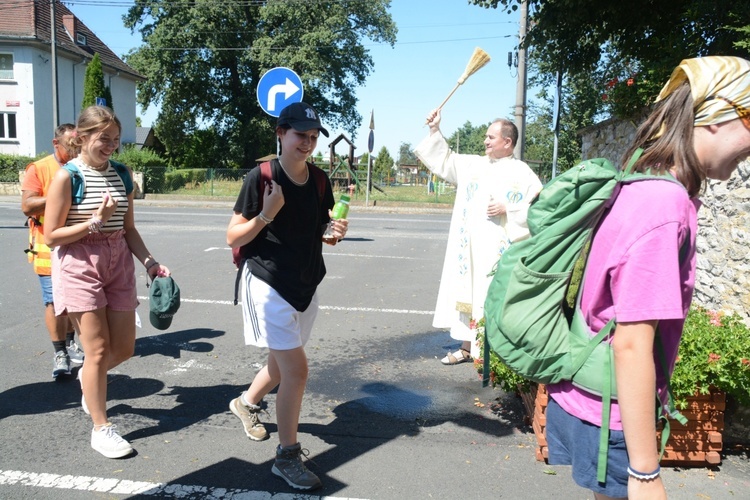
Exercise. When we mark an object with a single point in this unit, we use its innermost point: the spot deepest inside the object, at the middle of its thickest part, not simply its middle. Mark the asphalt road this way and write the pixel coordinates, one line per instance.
(382, 418)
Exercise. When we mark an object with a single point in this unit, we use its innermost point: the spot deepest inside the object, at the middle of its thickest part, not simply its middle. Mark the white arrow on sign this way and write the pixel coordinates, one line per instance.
(288, 88)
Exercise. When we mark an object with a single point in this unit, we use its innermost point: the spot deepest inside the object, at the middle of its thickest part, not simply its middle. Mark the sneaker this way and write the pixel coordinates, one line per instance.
(289, 467)
(75, 353)
(61, 363)
(250, 419)
(85, 407)
(109, 443)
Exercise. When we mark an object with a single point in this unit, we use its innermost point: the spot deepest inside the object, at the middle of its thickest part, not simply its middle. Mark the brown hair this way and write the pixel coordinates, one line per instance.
(94, 119)
(508, 129)
(62, 129)
(667, 141)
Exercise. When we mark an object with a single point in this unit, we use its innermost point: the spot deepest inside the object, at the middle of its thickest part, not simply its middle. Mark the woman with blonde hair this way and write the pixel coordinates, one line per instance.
(95, 238)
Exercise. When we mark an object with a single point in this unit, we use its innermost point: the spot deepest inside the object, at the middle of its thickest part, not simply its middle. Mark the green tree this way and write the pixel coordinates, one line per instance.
(203, 61)
(469, 139)
(382, 167)
(628, 48)
(406, 154)
(93, 83)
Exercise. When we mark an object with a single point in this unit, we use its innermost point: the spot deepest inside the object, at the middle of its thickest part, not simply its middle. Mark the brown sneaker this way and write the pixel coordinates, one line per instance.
(250, 419)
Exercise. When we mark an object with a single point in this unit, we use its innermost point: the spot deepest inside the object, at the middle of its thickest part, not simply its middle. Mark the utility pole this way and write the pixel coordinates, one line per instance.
(53, 56)
(520, 114)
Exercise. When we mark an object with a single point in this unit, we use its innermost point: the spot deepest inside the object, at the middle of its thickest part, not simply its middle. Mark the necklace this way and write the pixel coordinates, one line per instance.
(307, 175)
(100, 169)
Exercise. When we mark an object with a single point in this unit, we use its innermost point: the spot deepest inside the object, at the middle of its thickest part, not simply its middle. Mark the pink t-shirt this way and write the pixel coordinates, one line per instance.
(634, 273)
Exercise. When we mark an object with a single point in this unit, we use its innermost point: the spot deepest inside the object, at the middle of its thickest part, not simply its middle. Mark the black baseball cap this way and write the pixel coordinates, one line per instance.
(164, 301)
(301, 117)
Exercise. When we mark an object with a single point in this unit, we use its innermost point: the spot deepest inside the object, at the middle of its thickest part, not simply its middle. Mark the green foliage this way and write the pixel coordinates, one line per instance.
(469, 139)
(203, 61)
(604, 41)
(406, 155)
(383, 165)
(500, 375)
(93, 83)
(146, 161)
(184, 177)
(714, 351)
(10, 165)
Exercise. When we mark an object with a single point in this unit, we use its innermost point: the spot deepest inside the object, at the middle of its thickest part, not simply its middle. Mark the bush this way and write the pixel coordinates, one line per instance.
(184, 177)
(146, 161)
(714, 351)
(10, 165)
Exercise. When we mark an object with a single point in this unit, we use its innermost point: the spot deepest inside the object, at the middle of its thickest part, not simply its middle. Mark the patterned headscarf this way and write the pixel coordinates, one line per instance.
(713, 81)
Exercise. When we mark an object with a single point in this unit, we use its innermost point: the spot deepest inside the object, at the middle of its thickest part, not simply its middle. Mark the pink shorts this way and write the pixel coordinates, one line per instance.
(94, 272)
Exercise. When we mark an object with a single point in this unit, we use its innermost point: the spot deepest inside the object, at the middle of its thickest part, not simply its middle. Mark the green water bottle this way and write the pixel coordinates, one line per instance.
(341, 208)
(340, 211)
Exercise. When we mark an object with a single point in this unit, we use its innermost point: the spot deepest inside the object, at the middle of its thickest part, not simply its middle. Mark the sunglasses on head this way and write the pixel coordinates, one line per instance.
(742, 111)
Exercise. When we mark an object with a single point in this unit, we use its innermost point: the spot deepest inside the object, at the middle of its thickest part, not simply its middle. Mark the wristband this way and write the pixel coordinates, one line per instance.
(95, 224)
(265, 219)
(644, 476)
(153, 263)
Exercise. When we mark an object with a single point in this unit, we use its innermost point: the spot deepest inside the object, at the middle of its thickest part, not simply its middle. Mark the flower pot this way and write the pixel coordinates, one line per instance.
(696, 444)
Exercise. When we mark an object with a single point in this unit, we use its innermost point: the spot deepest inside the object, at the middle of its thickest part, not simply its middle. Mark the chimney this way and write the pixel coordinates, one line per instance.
(69, 22)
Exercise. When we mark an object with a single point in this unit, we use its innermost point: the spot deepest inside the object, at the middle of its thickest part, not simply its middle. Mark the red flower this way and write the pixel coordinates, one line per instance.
(712, 358)
(473, 324)
(745, 361)
(631, 81)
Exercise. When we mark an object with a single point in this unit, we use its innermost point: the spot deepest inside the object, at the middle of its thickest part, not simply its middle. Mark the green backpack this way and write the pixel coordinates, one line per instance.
(532, 312)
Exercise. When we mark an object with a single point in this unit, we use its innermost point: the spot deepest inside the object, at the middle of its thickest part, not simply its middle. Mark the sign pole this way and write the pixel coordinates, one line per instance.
(370, 144)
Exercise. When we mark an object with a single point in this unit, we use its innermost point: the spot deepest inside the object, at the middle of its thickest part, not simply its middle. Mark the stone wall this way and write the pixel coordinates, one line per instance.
(723, 275)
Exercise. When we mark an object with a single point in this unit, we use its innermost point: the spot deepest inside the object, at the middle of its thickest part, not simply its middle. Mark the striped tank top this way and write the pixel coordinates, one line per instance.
(97, 183)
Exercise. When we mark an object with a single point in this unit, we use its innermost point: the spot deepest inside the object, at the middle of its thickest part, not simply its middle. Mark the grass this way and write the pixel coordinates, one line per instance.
(402, 193)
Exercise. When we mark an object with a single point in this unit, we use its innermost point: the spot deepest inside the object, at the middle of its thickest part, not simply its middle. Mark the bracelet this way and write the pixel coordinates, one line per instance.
(153, 263)
(644, 476)
(95, 224)
(265, 219)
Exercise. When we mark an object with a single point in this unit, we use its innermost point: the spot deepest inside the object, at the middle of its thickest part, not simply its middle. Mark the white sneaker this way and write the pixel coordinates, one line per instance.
(109, 443)
(83, 399)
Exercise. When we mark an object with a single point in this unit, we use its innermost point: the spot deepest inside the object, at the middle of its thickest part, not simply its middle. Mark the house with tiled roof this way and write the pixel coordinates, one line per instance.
(26, 75)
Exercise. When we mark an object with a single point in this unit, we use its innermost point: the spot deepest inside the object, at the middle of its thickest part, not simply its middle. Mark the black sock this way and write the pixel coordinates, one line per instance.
(70, 337)
(59, 346)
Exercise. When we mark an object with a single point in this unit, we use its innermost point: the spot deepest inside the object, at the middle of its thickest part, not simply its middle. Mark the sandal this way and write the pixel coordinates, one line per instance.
(458, 357)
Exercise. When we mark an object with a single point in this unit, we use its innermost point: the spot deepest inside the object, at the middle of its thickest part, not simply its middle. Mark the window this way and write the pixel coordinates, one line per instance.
(6, 66)
(80, 39)
(8, 126)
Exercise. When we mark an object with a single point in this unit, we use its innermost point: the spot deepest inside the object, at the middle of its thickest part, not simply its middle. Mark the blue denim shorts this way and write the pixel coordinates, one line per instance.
(572, 441)
(46, 282)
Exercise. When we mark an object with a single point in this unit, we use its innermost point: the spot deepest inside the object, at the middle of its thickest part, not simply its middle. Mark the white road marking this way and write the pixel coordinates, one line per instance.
(125, 487)
(322, 308)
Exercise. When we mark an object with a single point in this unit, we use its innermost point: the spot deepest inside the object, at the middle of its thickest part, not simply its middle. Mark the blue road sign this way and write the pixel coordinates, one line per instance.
(277, 89)
(100, 101)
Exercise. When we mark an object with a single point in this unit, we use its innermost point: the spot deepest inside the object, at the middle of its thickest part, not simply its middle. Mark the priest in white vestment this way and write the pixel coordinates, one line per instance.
(493, 193)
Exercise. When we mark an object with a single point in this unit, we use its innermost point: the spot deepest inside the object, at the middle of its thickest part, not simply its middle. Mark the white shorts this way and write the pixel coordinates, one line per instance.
(269, 320)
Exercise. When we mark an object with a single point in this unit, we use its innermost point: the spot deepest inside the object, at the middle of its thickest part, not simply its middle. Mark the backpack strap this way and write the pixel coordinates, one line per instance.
(124, 174)
(238, 254)
(78, 181)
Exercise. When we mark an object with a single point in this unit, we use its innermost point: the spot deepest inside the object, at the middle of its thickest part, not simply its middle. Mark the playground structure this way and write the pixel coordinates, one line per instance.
(343, 172)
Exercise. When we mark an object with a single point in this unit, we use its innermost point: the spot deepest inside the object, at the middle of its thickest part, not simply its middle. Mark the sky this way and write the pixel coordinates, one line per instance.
(435, 41)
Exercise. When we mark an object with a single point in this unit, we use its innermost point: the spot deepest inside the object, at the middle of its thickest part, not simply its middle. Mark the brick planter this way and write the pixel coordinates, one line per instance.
(696, 444)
